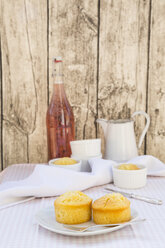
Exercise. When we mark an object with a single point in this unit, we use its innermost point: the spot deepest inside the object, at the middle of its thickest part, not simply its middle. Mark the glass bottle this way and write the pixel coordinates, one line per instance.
(59, 118)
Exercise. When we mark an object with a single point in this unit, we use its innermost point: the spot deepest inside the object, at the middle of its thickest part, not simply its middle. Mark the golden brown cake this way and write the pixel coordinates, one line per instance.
(111, 208)
(65, 161)
(73, 207)
(128, 167)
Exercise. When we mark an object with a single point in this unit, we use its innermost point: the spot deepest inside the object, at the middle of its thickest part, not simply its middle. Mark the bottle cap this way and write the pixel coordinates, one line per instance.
(57, 59)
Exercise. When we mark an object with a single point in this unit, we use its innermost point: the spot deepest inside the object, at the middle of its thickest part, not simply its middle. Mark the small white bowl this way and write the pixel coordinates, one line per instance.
(75, 167)
(130, 179)
(86, 148)
(85, 167)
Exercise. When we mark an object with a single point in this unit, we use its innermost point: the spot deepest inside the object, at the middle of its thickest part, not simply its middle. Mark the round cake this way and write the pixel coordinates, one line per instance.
(65, 161)
(111, 208)
(128, 167)
(73, 207)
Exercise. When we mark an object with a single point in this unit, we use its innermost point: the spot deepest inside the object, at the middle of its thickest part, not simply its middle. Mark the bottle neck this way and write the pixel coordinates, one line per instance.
(57, 72)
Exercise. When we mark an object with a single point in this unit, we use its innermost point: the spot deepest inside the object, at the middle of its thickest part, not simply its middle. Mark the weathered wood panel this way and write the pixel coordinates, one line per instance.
(156, 85)
(1, 165)
(37, 28)
(73, 35)
(123, 59)
(130, 59)
(24, 56)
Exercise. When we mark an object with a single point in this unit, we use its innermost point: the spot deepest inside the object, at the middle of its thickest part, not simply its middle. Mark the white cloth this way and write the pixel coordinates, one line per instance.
(154, 166)
(51, 181)
(18, 227)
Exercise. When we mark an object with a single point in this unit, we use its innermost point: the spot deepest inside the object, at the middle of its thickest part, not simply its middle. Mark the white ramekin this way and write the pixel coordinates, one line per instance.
(87, 148)
(130, 179)
(75, 167)
(85, 167)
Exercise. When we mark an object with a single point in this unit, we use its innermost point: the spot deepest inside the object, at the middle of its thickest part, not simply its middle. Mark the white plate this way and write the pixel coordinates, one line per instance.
(46, 218)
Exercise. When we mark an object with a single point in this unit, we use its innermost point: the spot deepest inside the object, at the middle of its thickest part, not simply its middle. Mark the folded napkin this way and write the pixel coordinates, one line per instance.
(154, 166)
(51, 181)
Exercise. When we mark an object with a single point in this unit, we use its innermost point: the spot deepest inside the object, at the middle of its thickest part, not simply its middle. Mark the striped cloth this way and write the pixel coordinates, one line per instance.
(18, 228)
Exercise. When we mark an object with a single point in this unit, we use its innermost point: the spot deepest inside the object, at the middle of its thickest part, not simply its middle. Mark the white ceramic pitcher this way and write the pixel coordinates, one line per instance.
(120, 137)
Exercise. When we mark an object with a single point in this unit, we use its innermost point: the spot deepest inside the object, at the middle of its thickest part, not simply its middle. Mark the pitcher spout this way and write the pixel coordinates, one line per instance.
(104, 124)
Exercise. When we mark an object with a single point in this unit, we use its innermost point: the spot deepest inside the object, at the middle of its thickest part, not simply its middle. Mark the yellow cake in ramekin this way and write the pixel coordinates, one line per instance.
(73, 207)
(111, 208)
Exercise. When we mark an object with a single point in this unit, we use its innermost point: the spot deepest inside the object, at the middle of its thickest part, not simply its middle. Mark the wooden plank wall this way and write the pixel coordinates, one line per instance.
(156, 81)
(75, 22)
(24, 81)
(123, 48)
(114, 64)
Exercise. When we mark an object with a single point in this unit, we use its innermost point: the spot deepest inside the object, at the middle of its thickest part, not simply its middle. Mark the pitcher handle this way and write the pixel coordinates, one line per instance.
(146, 126)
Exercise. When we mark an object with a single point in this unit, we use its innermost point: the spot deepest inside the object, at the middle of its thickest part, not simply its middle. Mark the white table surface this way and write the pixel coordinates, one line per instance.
(18, 228)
